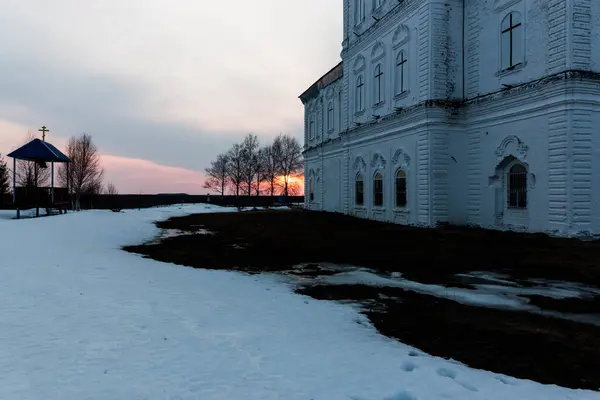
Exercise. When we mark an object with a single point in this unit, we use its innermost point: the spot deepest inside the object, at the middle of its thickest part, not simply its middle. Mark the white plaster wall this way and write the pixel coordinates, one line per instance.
(531, 130)
(365, 61)
(483, 43)
(458, 174)
(595, 35)
(595, 200)
(387, 147)
(332, 179)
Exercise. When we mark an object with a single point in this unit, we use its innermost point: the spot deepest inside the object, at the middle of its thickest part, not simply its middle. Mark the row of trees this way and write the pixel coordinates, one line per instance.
(84, 176)
(249, 169)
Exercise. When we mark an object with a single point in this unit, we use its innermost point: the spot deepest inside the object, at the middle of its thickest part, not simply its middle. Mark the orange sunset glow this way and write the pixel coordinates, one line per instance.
(295, 184)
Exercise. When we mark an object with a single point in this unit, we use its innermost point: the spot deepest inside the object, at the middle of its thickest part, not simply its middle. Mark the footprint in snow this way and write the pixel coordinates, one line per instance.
(413, 353)
(402, 396)
(448, 373)
(409, 366)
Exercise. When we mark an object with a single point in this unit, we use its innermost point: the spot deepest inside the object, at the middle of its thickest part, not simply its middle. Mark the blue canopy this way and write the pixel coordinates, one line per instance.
(39, 151)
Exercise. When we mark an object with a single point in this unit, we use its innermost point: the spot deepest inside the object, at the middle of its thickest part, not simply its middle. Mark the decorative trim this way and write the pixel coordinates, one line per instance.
(501, 5)
(502, 150)
(401, 96)
(511, 70)
(378, 162)
(378, 51)
(359, 64)
(401, 158)
(359, 164)
(330, 92)
(401, 36)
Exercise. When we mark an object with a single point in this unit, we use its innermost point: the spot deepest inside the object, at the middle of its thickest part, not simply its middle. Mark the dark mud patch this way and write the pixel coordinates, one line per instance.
(521, 344)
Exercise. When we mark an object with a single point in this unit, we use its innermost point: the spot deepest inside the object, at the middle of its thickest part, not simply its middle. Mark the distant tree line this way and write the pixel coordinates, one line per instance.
(84, 175)
(249, 169)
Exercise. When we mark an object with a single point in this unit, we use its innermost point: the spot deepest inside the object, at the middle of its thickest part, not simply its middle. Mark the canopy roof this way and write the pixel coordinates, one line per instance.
(39, 151)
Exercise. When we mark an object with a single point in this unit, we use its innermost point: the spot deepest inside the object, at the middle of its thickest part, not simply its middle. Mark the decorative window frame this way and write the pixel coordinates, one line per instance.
(358, 111)
(375, 95)
(378, 9)
(401, 161)
(330, 122)
(358, 23)
(359, 167)
(401, 36)
(378, 171)
(312, 126)
(407, 71)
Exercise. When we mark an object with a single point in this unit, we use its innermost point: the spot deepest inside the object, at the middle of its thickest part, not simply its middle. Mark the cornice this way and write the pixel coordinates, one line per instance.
(393, 16)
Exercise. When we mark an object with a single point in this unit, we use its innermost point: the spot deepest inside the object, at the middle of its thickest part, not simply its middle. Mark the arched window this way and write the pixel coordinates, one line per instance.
(401, 73)
(361, 11)
(311, 127)
(359, 191)
(360, 92)
(311, 189)
(378, 190)
(378, 84)
(400, 188)
(512, 41)
(517, 186)
(330, 116)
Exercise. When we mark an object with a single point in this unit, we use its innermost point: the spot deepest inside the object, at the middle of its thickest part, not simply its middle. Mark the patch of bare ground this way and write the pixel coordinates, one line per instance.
(521, 344)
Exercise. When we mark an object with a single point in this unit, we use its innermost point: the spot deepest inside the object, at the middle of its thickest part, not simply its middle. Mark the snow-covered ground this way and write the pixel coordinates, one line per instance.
(82, 319)
(498, 292)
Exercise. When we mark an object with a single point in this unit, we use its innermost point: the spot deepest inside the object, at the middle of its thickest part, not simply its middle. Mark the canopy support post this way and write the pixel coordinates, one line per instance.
(37, 191)
(52, 187)
(14, 194)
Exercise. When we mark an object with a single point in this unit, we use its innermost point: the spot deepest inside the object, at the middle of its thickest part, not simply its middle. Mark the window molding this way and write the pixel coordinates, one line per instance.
(330, 116)
(360, 12)
(516, 59)
(359, 94)
(378, 198)
(378, 85)
(311, 127)
(401, 80)
(359, 196)
(404, 204)
(401, 36)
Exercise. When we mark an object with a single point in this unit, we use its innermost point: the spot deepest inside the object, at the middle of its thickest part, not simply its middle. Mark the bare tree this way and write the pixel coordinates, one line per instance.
(261, 170)
(85, 173)
(235, 170)
(289, 161)
(4, 180)
(250, 161)
(270, 162)
(31, 173)
(111, 189)
(217, 175)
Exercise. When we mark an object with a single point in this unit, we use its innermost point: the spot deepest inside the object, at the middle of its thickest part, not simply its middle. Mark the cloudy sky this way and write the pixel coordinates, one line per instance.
(162, 85)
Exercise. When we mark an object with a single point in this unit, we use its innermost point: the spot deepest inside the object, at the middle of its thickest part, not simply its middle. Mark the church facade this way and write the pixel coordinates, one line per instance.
(479, 112)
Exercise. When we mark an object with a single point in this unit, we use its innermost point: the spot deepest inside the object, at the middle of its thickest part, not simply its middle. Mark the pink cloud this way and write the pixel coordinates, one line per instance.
(131, 175)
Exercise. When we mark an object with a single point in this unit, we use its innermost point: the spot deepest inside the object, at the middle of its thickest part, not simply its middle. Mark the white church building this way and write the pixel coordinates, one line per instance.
(479, 112)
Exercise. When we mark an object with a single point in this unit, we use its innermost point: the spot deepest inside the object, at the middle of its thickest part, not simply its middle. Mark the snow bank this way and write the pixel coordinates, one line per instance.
(82, 319)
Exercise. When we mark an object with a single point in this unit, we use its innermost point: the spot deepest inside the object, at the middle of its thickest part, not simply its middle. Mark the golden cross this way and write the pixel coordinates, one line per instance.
(44, 130)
